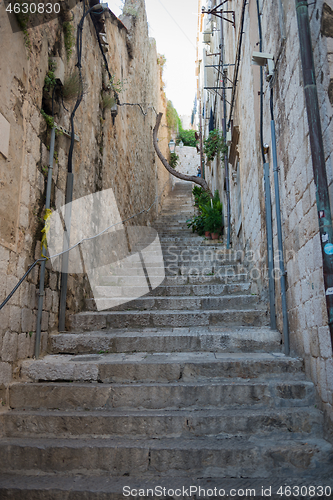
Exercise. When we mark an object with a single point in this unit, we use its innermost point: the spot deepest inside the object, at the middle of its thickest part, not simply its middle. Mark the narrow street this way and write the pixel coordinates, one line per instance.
(183, 387)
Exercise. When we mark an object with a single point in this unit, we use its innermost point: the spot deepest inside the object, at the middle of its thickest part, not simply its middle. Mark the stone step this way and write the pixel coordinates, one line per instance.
(170, 303)
(211, 339)
(285, 423)
(175, 280)
(222, 275)
(103, 487)
(245, 394)
(188, 241)
(176, 290)
(183, 259)
(202, 290)
(210, 457)
(88, 321)
(174, 269)
(163, 367)
(201, 249)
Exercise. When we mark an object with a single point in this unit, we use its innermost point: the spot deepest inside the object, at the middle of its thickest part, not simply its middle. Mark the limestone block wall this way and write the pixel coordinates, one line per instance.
(189, 160)
(117, 155)
(309, 332)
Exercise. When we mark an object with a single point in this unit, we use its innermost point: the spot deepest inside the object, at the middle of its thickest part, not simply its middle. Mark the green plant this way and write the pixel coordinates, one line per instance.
(108, 101)
(117, 85)
(200, 196)
(187, 136)
(161, 60)
(45, 170)
(212, 214)
(69, 38)
(214, 145)
(197, 223)
(172, 117)
(173, 160)
(130, 11)
(212, 219)
(209, 216)
(31, 334)
(71, 87)
(49, 81)
(49, 119)
(23, 21)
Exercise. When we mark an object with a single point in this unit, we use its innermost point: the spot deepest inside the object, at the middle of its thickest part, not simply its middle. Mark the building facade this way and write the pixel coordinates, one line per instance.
(266, 32)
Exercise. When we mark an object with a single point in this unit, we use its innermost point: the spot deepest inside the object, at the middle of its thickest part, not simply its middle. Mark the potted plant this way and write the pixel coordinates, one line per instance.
(214, 145)
(212, 213)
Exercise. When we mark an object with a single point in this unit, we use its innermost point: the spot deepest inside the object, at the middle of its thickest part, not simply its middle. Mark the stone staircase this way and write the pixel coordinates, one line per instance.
(183, 387)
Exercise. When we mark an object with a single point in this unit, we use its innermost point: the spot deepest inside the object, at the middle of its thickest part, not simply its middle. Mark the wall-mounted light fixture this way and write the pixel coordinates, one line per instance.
(172, 146)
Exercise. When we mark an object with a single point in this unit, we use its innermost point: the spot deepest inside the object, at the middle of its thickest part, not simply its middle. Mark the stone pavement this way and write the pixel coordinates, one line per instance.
(183, 388)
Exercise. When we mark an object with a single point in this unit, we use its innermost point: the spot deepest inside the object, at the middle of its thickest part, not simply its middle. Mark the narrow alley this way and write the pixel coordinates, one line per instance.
(183, 387)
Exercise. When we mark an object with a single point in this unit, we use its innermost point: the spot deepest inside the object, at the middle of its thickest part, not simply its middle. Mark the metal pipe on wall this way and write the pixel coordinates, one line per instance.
(279, 235)
(226, 161)
(268, 205)
(65, 257)
(202, 161)
(317, 153)
(269, 230)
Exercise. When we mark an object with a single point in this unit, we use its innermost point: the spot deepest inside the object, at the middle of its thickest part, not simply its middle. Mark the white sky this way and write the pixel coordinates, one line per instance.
(177, 43)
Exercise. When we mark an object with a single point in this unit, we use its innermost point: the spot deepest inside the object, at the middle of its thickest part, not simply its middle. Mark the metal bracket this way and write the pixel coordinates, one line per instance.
(221, 13)
(66, 132)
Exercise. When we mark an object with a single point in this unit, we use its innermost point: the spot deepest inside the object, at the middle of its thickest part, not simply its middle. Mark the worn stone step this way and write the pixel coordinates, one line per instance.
(247, 394)
(286, 423)
(174, 269)
(209, 457)
(204, 249)
(202, 290)
(176, 290)
(133, 319)
(104, 487)
(164, 367)
(176, 279)
(172, 303)
(216, 339)
(186, 240)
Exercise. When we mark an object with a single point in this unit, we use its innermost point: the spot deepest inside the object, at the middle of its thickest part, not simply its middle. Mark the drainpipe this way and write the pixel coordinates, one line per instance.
(202, 161)
(66, 245)
(43, 264)
(268, 204)
(279, 233)
(317, 153)
(226, 161)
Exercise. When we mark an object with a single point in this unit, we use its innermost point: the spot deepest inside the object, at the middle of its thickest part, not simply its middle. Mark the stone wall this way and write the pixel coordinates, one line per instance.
(117, 155)
(309, 333)
(189, 160)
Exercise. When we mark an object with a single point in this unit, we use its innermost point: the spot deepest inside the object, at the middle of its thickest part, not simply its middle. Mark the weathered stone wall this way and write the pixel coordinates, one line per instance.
(309, 332)
(189, 160)
(117, 155)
